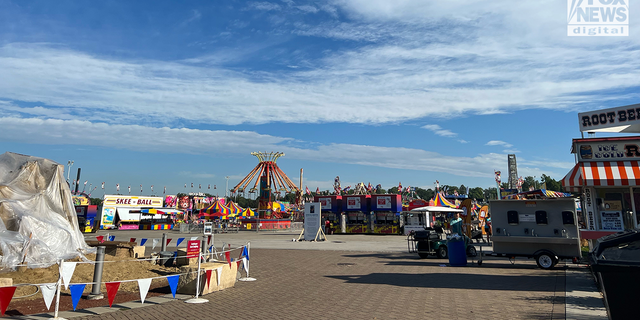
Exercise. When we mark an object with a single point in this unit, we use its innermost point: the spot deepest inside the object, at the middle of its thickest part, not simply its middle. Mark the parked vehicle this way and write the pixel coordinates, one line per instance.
(429, 242)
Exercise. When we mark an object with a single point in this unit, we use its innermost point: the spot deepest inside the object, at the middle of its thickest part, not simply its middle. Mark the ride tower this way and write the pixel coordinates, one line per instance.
(269, 180)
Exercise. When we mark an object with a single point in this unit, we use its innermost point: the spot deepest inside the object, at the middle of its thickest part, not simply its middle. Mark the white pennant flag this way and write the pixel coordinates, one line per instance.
(144, 284)
(66, 271)
(245, 262)
(155, 243)
(194, 238)
(218, 274)
(48, 291)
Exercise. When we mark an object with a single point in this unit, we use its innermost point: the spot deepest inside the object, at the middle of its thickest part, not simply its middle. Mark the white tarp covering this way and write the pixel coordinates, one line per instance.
(38, 223)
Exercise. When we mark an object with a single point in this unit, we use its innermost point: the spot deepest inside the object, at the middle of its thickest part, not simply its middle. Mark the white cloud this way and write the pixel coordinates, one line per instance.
(264, 6)
(499, 143)
(511, 151)
(463, 141)
(439, 131)
(202, 175)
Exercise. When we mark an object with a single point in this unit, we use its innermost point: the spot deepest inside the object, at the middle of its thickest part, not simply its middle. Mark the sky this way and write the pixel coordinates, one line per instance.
(168, 93)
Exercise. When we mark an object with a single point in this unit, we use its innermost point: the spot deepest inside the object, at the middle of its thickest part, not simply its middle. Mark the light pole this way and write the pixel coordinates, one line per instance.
(69, 164)
(227, 188)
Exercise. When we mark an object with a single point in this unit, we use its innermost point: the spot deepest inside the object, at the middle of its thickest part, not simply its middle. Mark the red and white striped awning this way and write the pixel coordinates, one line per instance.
(611, 174)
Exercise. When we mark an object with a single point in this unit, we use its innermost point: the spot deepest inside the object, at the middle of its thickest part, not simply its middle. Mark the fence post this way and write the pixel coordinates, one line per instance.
(164, 242)
(97, 275)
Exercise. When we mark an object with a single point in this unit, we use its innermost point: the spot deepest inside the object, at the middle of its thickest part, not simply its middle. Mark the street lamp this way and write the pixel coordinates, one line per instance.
(69, 164)
(225, 190)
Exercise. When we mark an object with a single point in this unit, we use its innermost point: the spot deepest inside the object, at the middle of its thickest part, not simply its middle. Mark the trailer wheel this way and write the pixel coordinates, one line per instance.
(471, 251)
(442, 252)
(546, 260)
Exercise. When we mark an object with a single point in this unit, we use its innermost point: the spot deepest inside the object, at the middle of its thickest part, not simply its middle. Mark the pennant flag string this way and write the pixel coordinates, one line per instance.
(112, 289)
(144, 285)
(173, 284)
(48, 292)
(208, 272)
(6, 293)
(76, 293)
(112, 238)
(66, 271)
(155, 243)
(143, 241)
(168, 240)
(132, 240)
(179, 241)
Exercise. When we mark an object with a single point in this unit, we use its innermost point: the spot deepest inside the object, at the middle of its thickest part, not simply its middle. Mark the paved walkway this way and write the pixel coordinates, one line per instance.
(376, 284)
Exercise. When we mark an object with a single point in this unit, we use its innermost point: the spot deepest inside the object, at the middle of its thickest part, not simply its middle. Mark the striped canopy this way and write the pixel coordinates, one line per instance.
(246, 213)
(218, 209)
(440, 201)
(234, 209)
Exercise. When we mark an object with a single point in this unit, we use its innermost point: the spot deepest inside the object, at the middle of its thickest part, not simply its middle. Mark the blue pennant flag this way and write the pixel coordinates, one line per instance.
(173, 284)
(211, 249)
(175, 254)
(76, 293)
(112, 238)
(245, 252)
(142, 242)
(179, 241)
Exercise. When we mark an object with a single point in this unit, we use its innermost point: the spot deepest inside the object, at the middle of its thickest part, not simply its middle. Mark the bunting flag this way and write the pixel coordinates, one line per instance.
(151, 188)
(103, 185)
(168, 240)
(132, 240)
(209, 240)
(209, 187)
(238, 264)
(245, 252)
(100, 239)
(208, 272)
(117, 187)
(155, 243)
(165, 190)
(199, 186)
(76, 293)
(143, 285)
(129, 189)
(245, 262)
(143, 241)
(48, 291)
(218, 274)
(112, 238)
(191, 184)
(194, 238)
(227, 255)
(173, 283)
(6, 293)
(179, 241)
(66, 271)
(317, 190)
(112, 289)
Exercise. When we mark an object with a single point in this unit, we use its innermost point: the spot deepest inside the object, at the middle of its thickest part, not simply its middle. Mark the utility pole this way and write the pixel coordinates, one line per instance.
(227, 188)
(69, 164)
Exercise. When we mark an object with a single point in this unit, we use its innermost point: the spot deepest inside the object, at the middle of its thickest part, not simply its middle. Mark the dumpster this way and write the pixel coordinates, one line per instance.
(457, 252)
(615, 263)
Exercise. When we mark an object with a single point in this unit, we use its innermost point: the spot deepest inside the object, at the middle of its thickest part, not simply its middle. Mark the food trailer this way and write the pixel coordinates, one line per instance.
(544, 229)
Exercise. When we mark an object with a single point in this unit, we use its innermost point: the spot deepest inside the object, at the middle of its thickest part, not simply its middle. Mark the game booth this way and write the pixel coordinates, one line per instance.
(331, 208)
(88, 220)
(136, 213)
(357, 214)
(387, 209)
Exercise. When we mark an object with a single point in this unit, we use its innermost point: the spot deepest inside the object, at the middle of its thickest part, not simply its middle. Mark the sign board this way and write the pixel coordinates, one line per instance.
(611, 220)
(311, 220)
(193, 248)
(612, 205)
(623, 150)
(208, 228)
(132, 201)
(526, 217)
(354, 203)
(619, 119)
(384, 202)
(325, 203)
(108, 213)
(589, 208)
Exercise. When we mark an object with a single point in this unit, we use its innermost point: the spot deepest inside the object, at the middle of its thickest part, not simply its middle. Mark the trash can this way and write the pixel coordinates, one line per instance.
(615, 263)
(456, 251)
(166, 258)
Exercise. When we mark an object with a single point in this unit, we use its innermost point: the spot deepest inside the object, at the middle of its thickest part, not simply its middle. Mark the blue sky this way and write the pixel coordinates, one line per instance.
(165, 93)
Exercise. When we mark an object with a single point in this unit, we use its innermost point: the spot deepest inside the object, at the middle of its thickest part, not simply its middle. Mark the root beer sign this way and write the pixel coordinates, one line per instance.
(620, 119)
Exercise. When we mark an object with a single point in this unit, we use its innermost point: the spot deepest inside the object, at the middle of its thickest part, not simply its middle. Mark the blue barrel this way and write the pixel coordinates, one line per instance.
(457, 253)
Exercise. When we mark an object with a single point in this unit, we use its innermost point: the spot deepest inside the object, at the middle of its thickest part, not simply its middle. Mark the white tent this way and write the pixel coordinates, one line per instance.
(38, 222)
(436, 209)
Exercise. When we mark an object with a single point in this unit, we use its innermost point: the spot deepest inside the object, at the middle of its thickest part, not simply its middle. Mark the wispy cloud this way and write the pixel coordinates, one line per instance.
(498, 143)
(200, 175)
(264, 6)
(439, 131)
(463, 141)
(195, 16)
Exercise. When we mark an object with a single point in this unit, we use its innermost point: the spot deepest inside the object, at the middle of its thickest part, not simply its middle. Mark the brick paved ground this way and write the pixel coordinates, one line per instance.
(307, 284)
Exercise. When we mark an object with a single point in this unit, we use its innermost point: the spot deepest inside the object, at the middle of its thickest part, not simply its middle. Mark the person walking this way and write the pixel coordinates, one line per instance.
(456, 225)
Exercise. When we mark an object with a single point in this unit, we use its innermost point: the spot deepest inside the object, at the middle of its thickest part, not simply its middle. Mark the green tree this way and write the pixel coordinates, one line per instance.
(392, 190)
(425, 194)
(551, 183)
(490, 193)
(476, 193)
(96, 201)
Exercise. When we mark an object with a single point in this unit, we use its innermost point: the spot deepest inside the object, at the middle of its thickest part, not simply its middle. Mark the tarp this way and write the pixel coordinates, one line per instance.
(38, 222)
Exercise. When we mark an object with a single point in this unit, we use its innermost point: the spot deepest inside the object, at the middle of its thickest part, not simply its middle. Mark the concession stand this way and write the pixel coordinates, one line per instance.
(136, 212)
(331, 209)
(607, 172)
(358, 215)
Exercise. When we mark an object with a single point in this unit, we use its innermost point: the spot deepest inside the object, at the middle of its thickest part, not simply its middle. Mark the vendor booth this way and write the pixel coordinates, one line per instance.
(607, 172)
(331, 209)
(358, 216)
(125, 212)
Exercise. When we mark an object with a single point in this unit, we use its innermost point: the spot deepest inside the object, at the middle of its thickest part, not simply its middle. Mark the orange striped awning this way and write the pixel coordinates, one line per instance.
(610, 173)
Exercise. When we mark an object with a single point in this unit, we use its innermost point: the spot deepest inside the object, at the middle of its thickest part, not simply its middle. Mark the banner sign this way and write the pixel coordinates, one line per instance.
(589, 208)
(354, 203)
(384, 202)
(133, 201)
(193, 248)
(620, 117)
(611, 220)
(325, 203)
(108, 213)
(311, 220)
(622, 150)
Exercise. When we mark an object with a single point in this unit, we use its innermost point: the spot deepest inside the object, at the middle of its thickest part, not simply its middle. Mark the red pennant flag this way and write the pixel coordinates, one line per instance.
(6, 293)
(238, 264)
(100, 239)
(132, 240)
(241, 252)
(112, 289)
(168, 240)
(209, 240)
(208, 272)
(228, 256)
